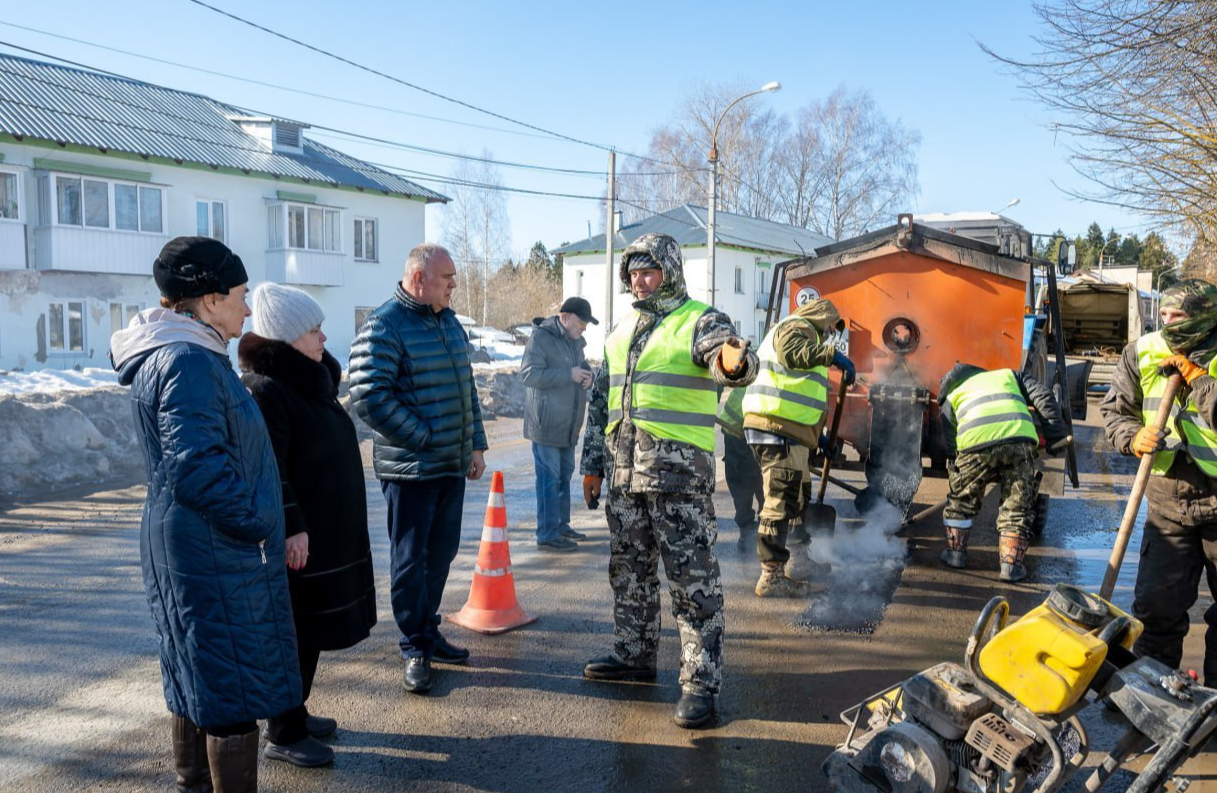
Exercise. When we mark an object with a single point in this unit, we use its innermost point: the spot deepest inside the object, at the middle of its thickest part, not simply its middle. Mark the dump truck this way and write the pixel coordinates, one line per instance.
(1098, 318)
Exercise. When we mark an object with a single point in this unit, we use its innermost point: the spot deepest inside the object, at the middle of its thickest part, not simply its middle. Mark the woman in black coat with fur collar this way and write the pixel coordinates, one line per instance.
(295, 382)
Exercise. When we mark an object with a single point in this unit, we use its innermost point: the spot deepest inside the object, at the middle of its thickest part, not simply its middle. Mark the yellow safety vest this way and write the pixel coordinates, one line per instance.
(670, 396)
(731, 414)
(989, 408)
(795, 395)
(1199, 438)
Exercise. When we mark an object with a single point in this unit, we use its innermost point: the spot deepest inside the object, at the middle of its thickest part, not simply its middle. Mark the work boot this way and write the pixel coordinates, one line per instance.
(747, 535)
(190, 757)
(1011, 548)
(234, 763)
(695, 708)
(308, 752)
(773, 583)
(800, 566)
(956, 553)
(609, 668)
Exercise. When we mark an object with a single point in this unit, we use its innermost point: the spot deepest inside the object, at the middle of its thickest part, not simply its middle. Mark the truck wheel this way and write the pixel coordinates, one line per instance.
(1039, 519)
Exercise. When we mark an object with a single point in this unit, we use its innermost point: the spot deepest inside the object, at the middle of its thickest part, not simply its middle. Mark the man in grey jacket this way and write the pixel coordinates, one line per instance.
(557, 376)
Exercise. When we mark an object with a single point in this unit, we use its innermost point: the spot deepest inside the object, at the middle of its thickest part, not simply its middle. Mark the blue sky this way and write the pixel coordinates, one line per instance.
(576, 69)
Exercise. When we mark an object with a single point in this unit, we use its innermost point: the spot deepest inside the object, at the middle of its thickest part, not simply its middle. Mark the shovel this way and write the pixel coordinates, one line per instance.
(819, 517)
(1138, 491)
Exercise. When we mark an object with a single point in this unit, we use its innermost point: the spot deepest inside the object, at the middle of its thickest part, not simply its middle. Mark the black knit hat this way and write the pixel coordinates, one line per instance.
(197, 266)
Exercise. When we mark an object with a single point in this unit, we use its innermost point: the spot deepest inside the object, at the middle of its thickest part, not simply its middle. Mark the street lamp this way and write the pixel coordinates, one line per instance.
(1158, 294)
(1110, 241)
(774, 86)
(1010, 203)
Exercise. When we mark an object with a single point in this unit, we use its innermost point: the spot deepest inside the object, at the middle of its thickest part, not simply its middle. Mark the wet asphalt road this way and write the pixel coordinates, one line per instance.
(81, 707)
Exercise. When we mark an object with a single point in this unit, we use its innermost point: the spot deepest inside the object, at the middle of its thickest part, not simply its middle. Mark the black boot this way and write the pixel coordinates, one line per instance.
(695, 708)
(190, 757)
(234, 763)
(417, 677)
(609, 668)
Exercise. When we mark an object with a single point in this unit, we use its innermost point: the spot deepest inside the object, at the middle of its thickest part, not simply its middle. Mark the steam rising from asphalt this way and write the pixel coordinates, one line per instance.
(866, 564)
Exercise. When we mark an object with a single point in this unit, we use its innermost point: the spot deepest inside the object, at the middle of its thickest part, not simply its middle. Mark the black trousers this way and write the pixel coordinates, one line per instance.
(1173, 557)
(743, 480)
(292, 726)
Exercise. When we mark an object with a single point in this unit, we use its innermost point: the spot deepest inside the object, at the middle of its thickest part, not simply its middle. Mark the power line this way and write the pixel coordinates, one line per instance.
(398, 80)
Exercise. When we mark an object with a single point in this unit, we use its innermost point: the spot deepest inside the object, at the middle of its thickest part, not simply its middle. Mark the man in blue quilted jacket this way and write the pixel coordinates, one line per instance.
(412, 384)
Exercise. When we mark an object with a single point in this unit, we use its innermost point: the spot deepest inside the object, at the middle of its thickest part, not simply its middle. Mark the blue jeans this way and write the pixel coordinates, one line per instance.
(554, 466)
(424, 535)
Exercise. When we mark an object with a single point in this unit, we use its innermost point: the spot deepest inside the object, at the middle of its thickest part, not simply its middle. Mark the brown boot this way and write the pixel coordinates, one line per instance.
(773, 583)
(1011, 548)
(190, 757)
(234, 762)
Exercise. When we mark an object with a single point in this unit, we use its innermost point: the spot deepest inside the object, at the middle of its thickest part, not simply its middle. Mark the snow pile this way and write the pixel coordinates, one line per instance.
(55, 380)
(55, 439)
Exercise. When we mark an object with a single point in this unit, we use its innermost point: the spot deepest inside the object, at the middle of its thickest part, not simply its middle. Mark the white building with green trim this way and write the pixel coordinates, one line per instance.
(97, 173)
(745, 251)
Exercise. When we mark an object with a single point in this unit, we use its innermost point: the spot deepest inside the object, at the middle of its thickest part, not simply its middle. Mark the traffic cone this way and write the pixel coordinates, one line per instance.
(492, 605)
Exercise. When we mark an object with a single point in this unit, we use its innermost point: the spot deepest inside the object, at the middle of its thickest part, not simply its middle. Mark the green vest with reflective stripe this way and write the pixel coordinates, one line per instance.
(670, 396)
(1200, 439)
(989, 408)
(795, 395)
(731, 414)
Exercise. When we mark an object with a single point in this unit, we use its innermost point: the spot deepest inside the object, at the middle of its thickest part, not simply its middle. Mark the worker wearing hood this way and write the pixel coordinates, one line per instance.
(650, 433)
(1179, 540)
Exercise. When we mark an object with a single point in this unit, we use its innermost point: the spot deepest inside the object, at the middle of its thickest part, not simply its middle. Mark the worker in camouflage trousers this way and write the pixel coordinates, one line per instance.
(740, 470)
(1179, 539)
(991, 436)
(650, 432)
(784, 412)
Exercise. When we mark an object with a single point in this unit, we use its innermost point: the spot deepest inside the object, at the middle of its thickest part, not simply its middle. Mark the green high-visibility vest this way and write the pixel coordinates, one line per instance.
(989, 407)
(795, 395)
(731, 414)
(670, 396)
(1199, 438)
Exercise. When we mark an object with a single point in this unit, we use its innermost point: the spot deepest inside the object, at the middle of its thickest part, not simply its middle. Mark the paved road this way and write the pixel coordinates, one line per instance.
(81, 708)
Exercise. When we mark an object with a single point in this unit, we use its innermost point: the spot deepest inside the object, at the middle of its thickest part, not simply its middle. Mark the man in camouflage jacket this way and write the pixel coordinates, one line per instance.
(659, 493)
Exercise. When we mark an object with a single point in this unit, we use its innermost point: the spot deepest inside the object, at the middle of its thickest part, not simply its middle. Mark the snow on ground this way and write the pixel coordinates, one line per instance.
(55, 380)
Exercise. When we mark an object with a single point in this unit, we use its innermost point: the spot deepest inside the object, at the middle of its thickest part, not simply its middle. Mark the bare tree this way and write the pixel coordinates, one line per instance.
(839, 168)
(1133, 85)
(477, 232)
(864, 167)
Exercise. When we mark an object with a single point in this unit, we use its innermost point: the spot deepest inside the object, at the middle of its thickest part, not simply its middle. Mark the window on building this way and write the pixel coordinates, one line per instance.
(308, 227)
(121, 315)
(739, 280)
(102, 204)
(361, 315)
(738, 329)
(211, 219)
(10, 192)
(65, 330)
(365, 239)
(579, 283)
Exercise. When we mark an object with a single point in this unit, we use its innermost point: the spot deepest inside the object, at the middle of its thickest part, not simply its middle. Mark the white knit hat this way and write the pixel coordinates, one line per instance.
(284, 313)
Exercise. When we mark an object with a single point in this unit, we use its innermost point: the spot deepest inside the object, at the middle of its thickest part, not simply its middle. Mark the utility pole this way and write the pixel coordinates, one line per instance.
(710, 238)
(609, 236)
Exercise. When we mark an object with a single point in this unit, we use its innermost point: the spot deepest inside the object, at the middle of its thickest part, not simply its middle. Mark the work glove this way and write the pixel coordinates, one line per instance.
(846, 366)
(591, 491)
(1180, 364)
(1149, 440)
(733, 355)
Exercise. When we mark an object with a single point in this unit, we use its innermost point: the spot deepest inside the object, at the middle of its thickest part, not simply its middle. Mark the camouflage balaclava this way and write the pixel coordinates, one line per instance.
(664, 252)
(1197, 299)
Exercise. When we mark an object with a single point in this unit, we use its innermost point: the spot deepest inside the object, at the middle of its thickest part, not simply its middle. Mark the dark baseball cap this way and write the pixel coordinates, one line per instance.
(580, 308)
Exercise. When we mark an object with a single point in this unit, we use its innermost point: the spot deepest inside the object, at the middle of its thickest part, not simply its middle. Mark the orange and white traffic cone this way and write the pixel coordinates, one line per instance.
(492, 605)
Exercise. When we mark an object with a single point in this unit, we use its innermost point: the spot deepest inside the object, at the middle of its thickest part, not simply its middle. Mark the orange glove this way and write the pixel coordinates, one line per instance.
(1180, 364)
(591, 491)
(732, 355)
(1148, 440)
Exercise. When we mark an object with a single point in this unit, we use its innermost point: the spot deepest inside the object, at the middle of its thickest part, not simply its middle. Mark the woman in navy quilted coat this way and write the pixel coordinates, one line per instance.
(211, 538)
